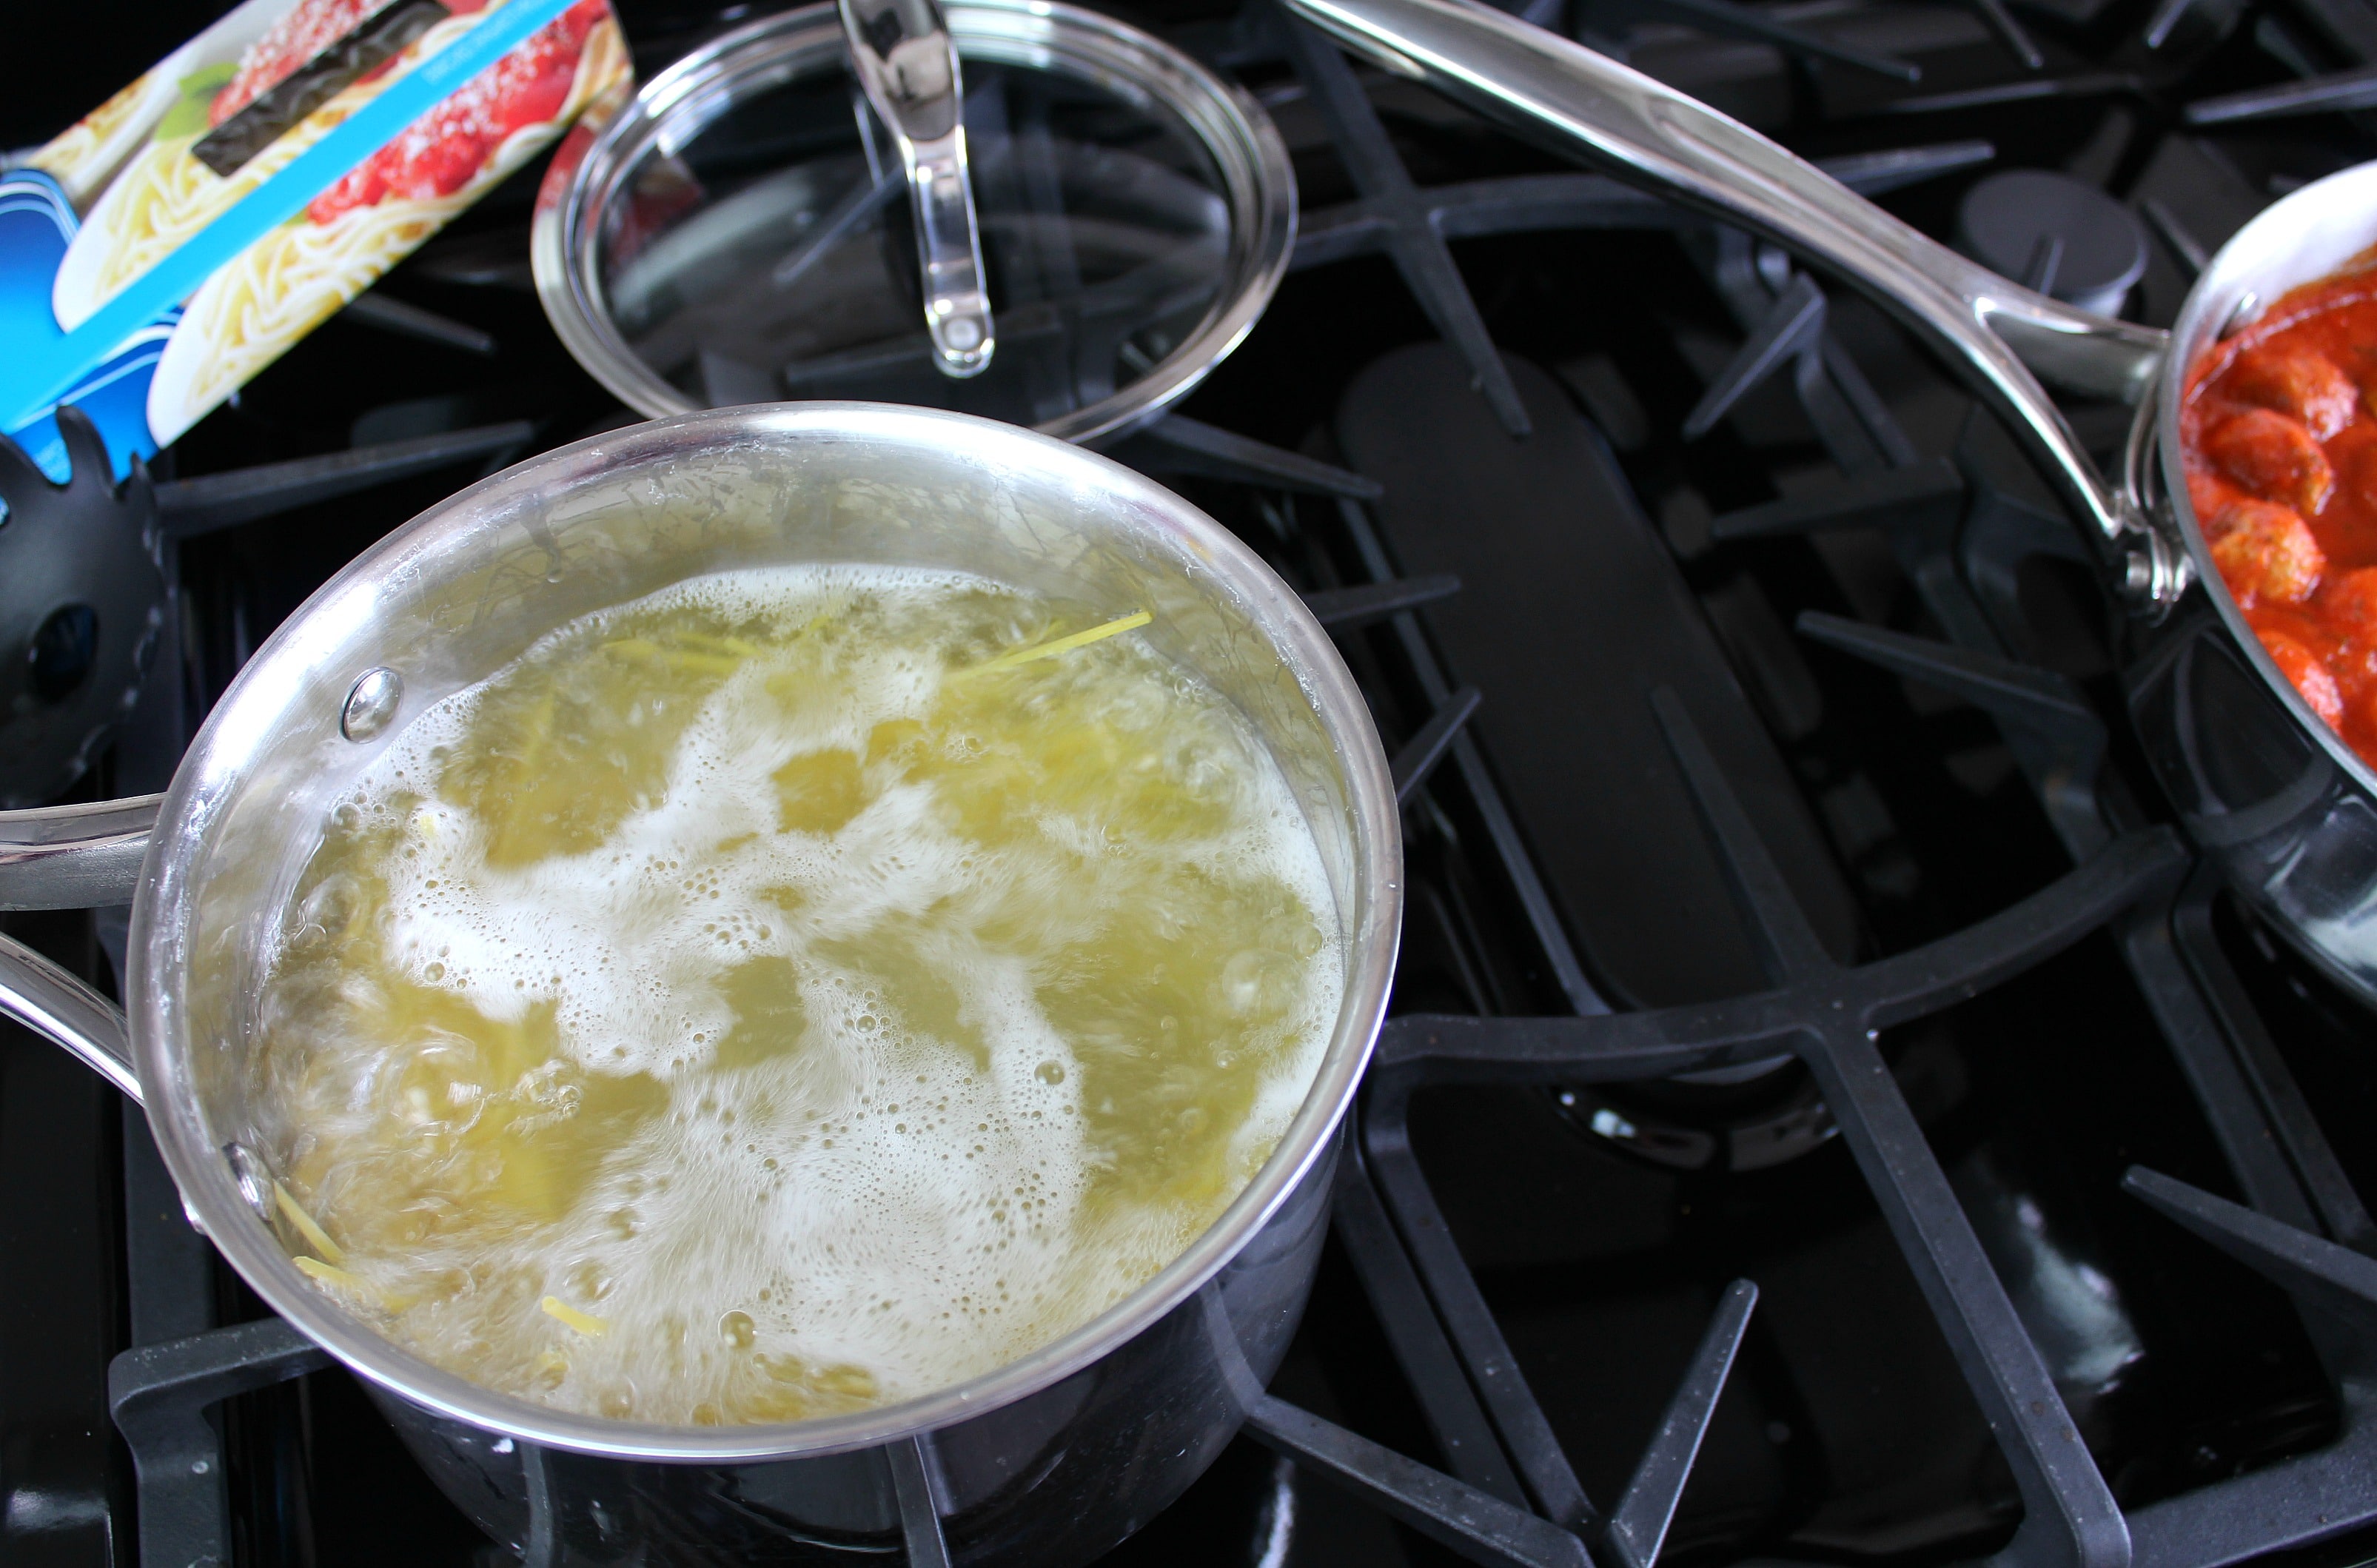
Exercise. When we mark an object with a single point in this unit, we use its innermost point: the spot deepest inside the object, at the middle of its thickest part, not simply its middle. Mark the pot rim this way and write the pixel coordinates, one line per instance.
(1258, 181)
(213, 771)
(2270, 241)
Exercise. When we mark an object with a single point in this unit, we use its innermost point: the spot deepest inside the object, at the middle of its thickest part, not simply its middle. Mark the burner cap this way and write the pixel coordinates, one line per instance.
(2099, 250)
(739, 233)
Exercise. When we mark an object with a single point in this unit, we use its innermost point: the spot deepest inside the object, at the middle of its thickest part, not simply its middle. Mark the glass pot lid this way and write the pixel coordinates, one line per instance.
(739, 231)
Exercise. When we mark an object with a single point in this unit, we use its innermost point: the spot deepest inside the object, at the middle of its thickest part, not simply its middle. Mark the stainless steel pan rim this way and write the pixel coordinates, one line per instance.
(1251, 159)
(213, 769)
(2308, 236)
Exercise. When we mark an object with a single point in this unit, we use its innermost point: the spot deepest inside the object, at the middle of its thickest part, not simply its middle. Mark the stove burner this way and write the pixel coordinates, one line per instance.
(82, 605)
(2061, 235)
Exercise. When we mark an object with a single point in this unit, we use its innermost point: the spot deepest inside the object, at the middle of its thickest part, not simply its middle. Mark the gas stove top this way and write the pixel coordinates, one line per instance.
(1829, 1115)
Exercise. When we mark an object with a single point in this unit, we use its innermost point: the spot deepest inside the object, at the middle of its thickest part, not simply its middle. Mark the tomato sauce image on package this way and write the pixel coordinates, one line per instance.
(2280, 444)
(248, 147)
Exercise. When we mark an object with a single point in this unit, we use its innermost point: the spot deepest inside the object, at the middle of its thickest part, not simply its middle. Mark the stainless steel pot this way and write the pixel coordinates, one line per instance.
(1048, 1460)
(2275, 795)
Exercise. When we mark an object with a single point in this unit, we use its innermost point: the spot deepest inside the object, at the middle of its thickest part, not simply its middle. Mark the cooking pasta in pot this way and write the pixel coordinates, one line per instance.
(796, 991)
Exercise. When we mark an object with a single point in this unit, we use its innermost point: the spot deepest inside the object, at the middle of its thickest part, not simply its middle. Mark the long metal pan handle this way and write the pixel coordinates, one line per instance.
(71, 857)
(1995, 333)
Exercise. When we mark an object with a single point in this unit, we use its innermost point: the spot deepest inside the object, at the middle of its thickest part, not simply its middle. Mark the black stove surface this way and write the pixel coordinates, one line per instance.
(1788, 902)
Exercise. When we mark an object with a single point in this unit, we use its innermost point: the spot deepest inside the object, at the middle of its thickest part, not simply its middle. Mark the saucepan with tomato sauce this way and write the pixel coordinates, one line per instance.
(2280, 458)
(2241, 529)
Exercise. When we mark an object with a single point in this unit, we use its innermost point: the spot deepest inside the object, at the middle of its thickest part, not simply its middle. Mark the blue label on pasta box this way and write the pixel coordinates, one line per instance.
(182, 236)
(36, 222)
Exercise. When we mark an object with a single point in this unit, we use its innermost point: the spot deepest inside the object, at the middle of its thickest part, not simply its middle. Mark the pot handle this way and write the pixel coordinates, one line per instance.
(71, 857)
(1994, 333)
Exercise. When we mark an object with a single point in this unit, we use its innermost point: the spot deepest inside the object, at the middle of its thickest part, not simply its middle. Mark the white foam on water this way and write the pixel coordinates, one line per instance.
(876, 1197)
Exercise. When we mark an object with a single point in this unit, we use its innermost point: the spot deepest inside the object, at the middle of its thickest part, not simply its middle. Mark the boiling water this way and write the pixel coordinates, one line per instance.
(781, 996)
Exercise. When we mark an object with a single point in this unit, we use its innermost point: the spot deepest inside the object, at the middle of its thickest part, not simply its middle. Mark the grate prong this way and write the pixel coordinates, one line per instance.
(2333, 93)
(1481, 1528)
(1420, 754)
(2338, 1279)
(1366, 603)
(1791, 329)
(2026, 695)
(1928, 491)
(1411, 235)
(2011, 33)
(389, 314)
(1176, 444)
(159, 1393)
(1391, 1280)
(1640, 1524)
(920, 1506)
(192, 507)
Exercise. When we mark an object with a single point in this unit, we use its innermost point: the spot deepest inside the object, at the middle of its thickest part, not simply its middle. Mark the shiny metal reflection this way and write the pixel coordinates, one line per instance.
(908, 66)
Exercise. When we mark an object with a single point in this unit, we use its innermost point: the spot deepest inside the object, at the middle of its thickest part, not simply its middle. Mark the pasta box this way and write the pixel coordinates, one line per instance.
(180, 238)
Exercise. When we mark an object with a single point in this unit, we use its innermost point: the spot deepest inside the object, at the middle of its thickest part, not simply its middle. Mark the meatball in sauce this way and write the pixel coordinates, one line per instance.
(2281, 457)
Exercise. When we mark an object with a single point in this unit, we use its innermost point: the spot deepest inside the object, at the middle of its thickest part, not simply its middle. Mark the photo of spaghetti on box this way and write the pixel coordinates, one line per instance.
(173, 243)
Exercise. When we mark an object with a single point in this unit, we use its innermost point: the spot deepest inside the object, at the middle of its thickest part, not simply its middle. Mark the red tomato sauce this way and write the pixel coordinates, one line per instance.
(2280, 446)
(439, 153)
